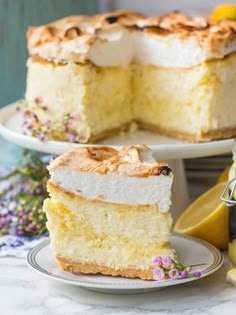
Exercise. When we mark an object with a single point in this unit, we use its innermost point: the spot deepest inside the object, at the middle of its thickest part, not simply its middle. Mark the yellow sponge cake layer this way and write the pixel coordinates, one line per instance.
(85, 103)
(92, 236)
(79, 100)
(187, 102)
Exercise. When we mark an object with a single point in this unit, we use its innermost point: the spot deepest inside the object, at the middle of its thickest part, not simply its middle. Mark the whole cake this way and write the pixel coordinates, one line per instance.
(93, 76)
(100, 217)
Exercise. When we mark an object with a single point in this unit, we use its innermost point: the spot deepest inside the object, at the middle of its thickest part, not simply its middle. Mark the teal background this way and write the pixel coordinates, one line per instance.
(15, 17)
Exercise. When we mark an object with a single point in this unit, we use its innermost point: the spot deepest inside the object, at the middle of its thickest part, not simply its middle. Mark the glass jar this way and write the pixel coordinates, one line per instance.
(229, 197)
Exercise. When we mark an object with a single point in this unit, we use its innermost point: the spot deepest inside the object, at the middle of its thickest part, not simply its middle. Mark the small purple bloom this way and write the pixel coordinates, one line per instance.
(41, 137)
(17, 108)
(10, 186)
(21, 213)
(21, 221)
(197, 274)
(8, 219)
(184, 274)
(158, 274)
(167, 261)
(32, 227)
(157, 260)
(74, 115)
(3, 221)
(19, 233)
(72, 138)
(47, 122)
(173, 273)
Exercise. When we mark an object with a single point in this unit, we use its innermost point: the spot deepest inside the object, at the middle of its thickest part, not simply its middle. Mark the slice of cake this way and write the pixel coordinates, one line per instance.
(108, 211)
(90, 77)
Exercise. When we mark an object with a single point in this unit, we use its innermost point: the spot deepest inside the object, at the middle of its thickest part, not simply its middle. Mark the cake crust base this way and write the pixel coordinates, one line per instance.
(110, 133)
(93, 268)
(211, 135)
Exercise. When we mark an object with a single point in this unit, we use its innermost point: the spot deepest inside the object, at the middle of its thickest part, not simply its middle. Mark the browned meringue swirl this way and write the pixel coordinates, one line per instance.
(136, 161)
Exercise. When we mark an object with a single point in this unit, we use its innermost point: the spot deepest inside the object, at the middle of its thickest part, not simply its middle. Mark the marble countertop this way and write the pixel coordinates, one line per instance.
(24, 292)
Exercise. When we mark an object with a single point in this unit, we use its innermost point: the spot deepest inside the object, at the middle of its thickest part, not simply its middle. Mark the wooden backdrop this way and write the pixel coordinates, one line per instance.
(15, 17)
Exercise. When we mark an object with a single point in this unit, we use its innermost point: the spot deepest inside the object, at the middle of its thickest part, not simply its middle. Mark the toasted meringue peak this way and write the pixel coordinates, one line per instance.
(129, 176)
(135, 161)
(122, 37)
(73, 27)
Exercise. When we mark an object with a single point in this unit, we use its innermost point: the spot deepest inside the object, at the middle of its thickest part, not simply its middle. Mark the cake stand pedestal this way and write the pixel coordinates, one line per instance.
(164, 148)
(180, 195)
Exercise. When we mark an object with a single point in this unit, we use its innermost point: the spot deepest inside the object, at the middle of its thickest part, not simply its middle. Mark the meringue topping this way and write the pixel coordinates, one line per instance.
(135, 161)
(129, 176)
(175, 39)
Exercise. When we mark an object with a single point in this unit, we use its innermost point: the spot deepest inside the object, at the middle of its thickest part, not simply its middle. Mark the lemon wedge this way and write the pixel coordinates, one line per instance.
(231, 276)
(224, 11)
(206, 218)
(224, 175)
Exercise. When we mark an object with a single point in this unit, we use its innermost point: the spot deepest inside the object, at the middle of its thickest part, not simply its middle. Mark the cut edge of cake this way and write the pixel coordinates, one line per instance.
(123, 40)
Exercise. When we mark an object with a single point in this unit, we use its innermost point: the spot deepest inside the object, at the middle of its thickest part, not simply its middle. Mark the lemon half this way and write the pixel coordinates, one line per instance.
(224, 11)
(231, 276)
(224, 175)
(206, 218)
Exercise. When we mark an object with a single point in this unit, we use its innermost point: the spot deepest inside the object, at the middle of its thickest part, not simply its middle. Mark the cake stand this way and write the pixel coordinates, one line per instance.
(164, 148)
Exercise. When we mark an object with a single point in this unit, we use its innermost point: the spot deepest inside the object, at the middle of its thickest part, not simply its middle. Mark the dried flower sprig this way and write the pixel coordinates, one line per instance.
(167, 268)
(22, 192)
(63, 128)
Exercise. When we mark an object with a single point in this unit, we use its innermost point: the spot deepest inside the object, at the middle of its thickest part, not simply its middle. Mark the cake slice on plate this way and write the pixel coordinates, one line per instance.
(108, 211)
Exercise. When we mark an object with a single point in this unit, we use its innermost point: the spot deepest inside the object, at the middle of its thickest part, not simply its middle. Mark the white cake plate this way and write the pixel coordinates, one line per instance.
(165, 148)
(190, 251)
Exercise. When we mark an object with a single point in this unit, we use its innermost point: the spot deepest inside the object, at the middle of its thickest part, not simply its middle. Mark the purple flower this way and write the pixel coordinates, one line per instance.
(167, 261)
(17, 108)
(19, 233)
(47, 122)
(157, 260)
(197, 274)
(173, 273)
(21, 221)
(74, 115)
(21, 213)
(32, 227)
(72, 138)
(3, 221)
(29, 125)
(184, 274)
(8, 219)
(41, 137)
(158, 274)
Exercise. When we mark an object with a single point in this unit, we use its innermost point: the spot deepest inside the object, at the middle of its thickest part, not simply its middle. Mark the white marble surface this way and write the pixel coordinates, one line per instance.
(24, 292)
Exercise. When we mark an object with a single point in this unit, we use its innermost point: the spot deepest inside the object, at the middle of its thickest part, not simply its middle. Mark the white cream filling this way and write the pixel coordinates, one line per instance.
(122, 47)
(116, 188)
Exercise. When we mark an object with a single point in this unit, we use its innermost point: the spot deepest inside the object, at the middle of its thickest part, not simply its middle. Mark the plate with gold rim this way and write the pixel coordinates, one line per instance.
(203, 256)
(11, 123)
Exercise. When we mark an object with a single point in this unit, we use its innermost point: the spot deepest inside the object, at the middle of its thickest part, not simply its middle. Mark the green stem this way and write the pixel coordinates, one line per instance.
(9, 175)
